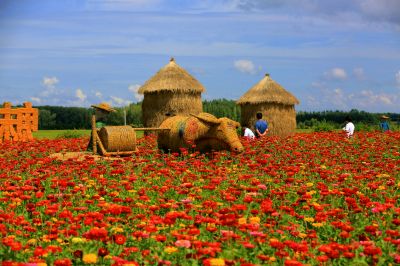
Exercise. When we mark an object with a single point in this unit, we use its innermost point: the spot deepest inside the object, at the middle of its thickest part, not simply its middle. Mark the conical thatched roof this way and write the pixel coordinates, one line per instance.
(268, 91)
(172, 78)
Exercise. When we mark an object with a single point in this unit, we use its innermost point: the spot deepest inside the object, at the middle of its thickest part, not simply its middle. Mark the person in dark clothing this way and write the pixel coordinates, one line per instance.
(261, 126)
(384, 125)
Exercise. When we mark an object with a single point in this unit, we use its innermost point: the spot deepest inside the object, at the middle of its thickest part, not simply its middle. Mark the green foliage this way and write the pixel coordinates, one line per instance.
(47, 119)
(57, 117)
(66, 117)
(323, 126)
(70, 134)
(222, 108)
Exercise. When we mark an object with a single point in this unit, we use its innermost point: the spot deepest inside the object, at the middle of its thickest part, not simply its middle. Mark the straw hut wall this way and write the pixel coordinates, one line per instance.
(171, 91)
(274, 102)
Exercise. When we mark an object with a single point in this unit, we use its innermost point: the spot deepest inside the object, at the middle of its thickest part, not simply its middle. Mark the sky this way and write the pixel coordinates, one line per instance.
(331, 55)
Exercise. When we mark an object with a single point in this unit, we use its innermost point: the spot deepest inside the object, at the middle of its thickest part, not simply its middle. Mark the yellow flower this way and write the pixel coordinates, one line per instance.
(77, 240)
(309, 184)
(383, 176)
(254, 220)
(117, 230)
(242, 220)
(41, 264)
(90, 258)
(217, 262)
(309, 219)
(381, 188)
(312, 192)
(318, 224)
(32, 241)
(46, 238)
(170, 250)
(302, 235)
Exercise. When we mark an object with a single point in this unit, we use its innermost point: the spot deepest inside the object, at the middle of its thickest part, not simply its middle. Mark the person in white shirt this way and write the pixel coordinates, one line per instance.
(349, 127)
(248, 133)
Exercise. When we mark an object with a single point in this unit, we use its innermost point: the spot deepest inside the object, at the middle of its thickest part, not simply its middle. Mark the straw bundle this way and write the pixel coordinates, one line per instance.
(118, 138)
(274, 102)
(172, 78)
(171, 91)
(156, 107)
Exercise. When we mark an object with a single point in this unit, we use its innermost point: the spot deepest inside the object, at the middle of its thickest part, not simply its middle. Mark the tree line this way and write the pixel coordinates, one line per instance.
(58, 117)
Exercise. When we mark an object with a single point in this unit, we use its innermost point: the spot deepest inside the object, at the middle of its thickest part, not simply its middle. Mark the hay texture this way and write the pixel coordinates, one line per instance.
(274, 102)
(171, 91)
(203, 132)
(118, 138)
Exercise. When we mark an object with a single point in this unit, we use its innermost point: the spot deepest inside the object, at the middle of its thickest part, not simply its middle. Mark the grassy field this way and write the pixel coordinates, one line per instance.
(69, 133)
(53, 134)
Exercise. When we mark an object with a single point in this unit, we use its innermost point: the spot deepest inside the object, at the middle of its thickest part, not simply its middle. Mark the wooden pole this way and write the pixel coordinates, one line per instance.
(150, 128)
(94, 135)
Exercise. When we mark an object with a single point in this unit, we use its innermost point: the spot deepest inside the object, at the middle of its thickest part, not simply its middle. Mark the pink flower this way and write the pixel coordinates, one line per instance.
(262, 186)
(183, 243)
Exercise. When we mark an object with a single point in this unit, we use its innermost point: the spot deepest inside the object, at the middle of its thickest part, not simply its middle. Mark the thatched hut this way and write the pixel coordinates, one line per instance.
(171, 91)
(274, 102)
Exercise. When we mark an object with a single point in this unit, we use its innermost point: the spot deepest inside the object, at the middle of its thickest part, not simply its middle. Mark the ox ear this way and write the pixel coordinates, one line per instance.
(207, 118)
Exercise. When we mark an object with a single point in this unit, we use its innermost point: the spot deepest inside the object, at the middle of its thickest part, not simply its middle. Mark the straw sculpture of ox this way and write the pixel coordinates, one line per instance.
(203, 132)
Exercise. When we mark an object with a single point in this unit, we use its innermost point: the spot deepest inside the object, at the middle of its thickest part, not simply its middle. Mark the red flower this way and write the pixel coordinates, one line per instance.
(103, 252)
(62, 262)
(119, 239)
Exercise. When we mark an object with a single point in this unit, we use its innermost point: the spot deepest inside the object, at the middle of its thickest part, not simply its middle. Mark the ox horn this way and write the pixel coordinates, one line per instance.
(207, 118)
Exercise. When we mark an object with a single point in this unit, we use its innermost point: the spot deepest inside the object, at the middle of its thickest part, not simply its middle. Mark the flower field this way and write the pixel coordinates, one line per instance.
(310, 199)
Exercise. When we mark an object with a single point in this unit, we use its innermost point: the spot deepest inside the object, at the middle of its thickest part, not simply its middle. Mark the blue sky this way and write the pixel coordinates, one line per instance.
(332, 55)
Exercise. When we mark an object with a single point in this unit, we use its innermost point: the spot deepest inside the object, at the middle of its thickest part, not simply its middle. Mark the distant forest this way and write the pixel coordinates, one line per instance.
(57, 117)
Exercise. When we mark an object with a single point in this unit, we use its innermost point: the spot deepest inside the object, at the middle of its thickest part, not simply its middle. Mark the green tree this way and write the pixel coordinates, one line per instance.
(47, 120)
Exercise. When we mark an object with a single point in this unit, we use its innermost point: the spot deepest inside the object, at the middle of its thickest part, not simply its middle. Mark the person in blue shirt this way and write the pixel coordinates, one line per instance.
(384, 123)
(261, 126)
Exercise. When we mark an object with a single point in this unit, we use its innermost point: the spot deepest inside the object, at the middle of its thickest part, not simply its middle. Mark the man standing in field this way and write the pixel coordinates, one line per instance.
(349, 127)
(261, 126)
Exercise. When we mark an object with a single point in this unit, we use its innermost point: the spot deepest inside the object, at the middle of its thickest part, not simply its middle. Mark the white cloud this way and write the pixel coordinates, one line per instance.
(370, 10)
(245, 66)
(50, 86)
(398, 79)
(369, 97)
(36, 99)
(119, 101)
(98, 94)
(336, 73)
(134, 88)
(358, 72)
(50, 82)
(342, 99)
(80, 95)
(123, 5)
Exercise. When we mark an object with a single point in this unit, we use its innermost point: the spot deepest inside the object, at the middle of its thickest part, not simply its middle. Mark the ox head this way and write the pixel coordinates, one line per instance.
(222, 132)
